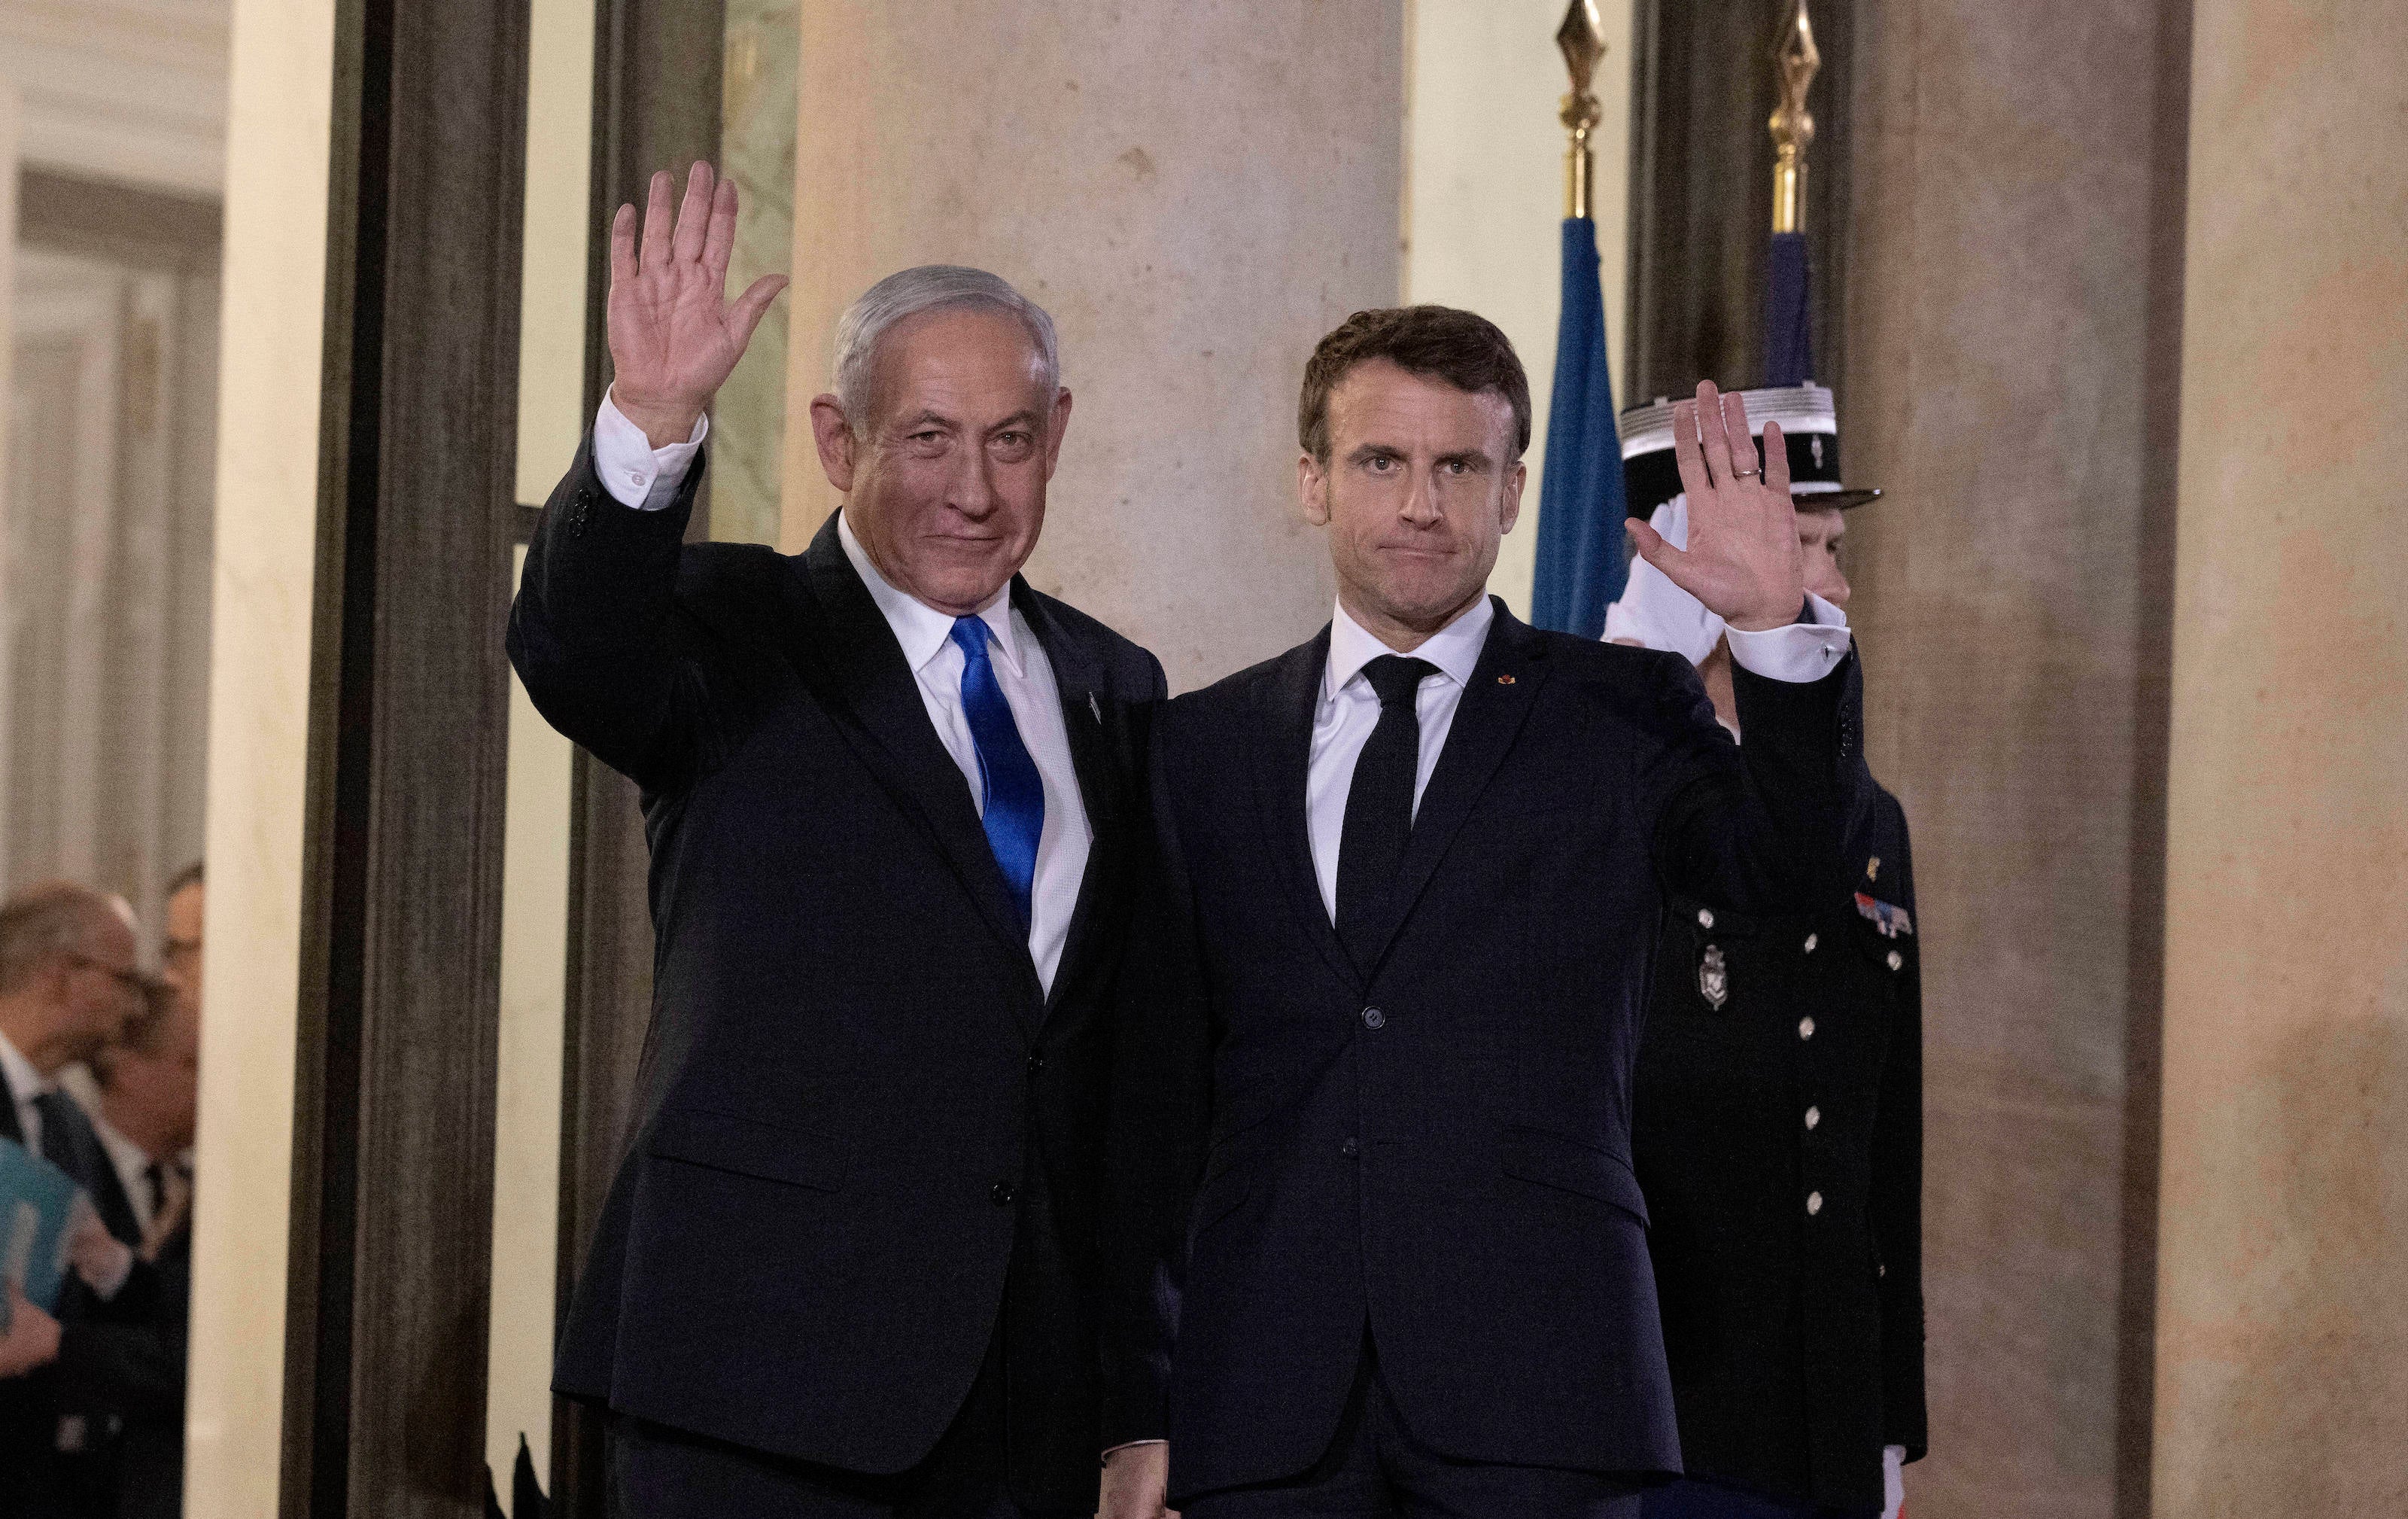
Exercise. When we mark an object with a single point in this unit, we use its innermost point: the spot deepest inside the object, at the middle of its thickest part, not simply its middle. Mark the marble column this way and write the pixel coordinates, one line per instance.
(2005, 308)
(1196, 191)
(2283, 1318)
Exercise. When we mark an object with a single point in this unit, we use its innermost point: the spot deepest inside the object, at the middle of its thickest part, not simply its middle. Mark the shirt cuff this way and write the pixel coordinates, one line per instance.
(1802, 652)
(1131, 1445)
(634, 472)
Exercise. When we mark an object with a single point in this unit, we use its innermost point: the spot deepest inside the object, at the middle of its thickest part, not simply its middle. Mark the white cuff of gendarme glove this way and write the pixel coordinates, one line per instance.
(634, 472)
(1656, 614)
(1800, 653)
(1893, 1481)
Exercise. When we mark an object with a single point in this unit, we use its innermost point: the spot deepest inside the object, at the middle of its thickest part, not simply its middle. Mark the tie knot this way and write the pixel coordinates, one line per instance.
(971, 633)
(1397, 678)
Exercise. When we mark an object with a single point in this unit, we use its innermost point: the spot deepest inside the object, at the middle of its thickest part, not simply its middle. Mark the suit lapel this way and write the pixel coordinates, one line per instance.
(850, 657)
(1282, 759)
(1504, 686)
(1078, 685)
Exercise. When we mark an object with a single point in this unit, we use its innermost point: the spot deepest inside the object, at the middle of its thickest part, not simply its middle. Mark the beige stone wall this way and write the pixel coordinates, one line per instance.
(278, 133)
(2283, 1318)
(1999, 339)
(1196, 191)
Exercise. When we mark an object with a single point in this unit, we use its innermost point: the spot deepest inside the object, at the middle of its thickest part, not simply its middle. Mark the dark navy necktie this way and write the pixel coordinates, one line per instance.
(1379, 817)
(1015, 817)
(58, 1142)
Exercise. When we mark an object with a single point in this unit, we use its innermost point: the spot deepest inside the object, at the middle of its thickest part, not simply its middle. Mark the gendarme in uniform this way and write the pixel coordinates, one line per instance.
(1777, 1119)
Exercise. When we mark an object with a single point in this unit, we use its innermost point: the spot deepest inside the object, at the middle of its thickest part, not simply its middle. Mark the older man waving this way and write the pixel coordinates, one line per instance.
(843, 1270)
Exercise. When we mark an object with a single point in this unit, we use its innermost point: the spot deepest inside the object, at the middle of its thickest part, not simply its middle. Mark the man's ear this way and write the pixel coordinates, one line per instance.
(1060, 425)
(834, 436)
(1516, 479)
(1313, 489)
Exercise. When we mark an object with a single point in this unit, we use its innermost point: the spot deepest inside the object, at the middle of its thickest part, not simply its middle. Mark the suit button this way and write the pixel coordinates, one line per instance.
(1350, 1149)
(1705, 917)
(1806, 1027)
(1036, 1063)
(1002, 1194)
(1375, 1019)
(1813, 1116)
(1814, 1204)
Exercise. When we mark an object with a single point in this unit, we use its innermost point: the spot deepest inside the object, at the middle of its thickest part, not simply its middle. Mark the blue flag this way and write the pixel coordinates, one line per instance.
(1581, 562)
(1788, 340)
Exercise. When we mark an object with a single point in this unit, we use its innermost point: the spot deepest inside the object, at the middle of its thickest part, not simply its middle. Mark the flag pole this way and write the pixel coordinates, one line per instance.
(1792, 124)
(1582, 38)
(1789, 326)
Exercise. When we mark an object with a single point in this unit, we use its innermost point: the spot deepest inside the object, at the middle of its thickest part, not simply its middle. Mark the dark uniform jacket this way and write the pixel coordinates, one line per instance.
(1778, 1133)
(1434, 1144)
(866, 1133)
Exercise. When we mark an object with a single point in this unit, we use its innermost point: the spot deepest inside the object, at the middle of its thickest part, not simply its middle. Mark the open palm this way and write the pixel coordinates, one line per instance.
(674, 338)
(1744, 560)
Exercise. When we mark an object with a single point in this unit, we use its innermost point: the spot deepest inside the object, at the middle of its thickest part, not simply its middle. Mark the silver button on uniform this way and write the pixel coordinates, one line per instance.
(1806, 1028)
(1813, 1116)
(1814, 1202)
(1705, 917)
(1811, 939)
(1896, 960)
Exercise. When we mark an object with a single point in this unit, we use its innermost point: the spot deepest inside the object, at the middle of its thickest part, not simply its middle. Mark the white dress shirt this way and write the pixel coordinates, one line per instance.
(24, 1084)
(639, 475)
(1349, 709)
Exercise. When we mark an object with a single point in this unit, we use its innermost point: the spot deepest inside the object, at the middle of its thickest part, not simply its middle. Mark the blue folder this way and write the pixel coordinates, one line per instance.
(36, 1198)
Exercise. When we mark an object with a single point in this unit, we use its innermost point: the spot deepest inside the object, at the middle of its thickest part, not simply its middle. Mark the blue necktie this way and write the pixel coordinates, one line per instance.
(1015, 794)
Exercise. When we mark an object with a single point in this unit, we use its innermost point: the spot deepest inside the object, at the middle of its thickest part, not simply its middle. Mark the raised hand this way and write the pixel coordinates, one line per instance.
(1743, 561)
(673, 337)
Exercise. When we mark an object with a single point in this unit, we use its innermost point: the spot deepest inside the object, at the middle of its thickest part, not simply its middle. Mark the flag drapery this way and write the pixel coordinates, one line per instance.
(1788, 340)
(1580, 553)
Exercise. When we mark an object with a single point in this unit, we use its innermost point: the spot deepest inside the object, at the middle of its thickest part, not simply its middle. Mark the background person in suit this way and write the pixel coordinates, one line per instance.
(1783, 1060)
(122, 1366)
(1382, 1015)
(847, 1266)
(69, 985)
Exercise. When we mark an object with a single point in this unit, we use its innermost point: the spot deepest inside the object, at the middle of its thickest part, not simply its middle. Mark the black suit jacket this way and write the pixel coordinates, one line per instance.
(864, 1130)
(1795, 1339)
(1434, 1144)
(120, 1360)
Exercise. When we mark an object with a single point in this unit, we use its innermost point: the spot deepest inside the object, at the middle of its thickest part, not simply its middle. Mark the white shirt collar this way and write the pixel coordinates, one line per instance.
(1453, 648)
(921, 629)
(130, 1158)
(24, 1082)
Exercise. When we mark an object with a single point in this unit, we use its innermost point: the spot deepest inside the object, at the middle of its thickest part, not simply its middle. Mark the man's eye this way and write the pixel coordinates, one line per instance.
(1381, 465)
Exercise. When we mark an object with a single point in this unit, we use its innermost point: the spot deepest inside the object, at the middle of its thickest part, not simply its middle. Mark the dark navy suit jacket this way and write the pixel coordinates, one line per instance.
(864, 1130)
(1433, 1145)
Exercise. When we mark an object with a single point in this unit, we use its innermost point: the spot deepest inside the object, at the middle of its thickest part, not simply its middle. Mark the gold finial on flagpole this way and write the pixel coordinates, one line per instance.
(1582, 37)
(1793, 127)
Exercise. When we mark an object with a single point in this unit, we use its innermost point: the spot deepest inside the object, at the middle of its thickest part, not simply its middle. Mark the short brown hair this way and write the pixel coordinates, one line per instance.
(1462, 348)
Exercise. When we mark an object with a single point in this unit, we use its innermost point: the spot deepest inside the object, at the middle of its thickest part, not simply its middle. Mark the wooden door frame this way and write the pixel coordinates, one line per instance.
(391, 1255)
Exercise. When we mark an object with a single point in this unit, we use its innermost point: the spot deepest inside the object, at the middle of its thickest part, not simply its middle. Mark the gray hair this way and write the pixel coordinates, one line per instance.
(929, 287)
(56, 918)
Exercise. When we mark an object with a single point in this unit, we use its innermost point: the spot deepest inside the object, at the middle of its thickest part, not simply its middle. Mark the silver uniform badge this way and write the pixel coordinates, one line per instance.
(1713, 978)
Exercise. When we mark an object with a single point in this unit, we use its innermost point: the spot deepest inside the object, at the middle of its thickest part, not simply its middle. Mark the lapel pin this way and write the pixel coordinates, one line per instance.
(1504, 680)
(1872, 868)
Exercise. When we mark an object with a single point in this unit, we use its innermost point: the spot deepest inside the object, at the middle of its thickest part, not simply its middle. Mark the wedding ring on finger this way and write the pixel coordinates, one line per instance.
(1746, 475)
